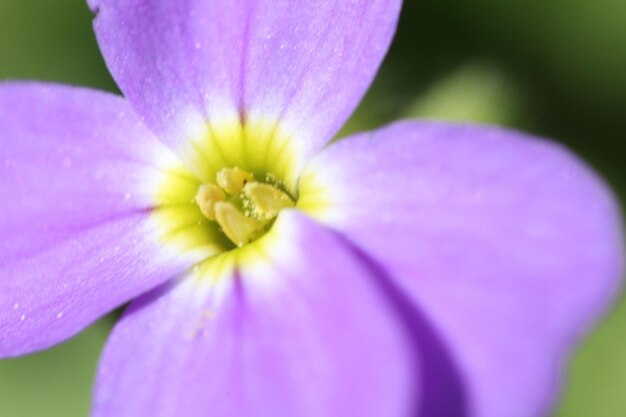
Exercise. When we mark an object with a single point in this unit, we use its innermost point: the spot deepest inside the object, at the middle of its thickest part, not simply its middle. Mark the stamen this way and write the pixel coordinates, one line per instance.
(267, 199)
(239, 228)
(206, 198)
(242, 207)
(232, 180)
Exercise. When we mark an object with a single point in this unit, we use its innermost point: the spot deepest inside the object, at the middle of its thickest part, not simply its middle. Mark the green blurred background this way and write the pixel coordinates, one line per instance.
(555, 68)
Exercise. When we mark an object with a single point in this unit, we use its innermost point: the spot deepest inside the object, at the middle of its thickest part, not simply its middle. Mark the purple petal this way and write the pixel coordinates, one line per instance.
(77, 175)
(300, 327)
(183, 64)
(510, 244)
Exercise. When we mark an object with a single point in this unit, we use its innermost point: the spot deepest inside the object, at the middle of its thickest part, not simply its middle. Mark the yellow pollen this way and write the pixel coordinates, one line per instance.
(239, 228)
(232, 180)
(206, 198)
(267, 199)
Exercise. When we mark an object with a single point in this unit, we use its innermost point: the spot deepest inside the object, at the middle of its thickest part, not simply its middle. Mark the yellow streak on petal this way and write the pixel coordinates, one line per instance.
(177, 217)
(315, 196)
(261, 147)
(254, 255)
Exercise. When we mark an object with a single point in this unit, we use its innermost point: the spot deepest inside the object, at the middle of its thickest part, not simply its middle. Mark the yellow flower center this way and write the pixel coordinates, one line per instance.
(242, 207)
(222, 192)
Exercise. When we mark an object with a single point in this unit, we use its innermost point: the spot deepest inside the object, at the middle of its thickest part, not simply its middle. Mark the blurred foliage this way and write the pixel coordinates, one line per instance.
(477, 92)
(55, 382)
(554, 68)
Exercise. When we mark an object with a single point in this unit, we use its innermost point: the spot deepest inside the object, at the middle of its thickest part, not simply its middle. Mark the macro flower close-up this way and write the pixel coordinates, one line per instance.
(424, 268)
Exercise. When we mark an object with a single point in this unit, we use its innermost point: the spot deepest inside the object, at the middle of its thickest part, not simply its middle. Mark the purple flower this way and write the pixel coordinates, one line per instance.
(424, 269)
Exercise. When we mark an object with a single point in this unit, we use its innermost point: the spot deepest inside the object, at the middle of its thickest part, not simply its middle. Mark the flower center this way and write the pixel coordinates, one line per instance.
(243, 207)
(216, 198)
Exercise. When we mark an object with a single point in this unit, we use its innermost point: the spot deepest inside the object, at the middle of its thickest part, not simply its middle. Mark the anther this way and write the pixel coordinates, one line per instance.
(206, 198)
(239, 228)
(267, 199)
(232, 180)
(242, 207)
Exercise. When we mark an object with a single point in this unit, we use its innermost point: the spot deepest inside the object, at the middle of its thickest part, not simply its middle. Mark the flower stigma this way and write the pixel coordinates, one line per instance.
(242, 207)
